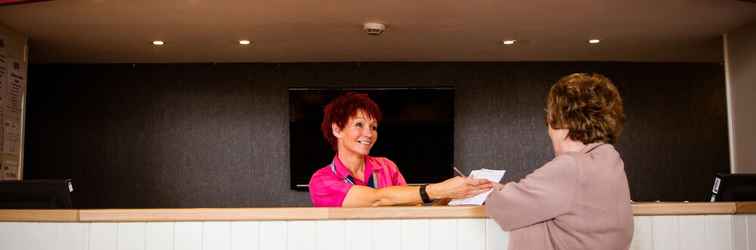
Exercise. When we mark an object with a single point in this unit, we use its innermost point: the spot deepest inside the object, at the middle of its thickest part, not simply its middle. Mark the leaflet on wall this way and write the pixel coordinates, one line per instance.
(3, 71)
(8, 171)
(13, 101)
(12, 89)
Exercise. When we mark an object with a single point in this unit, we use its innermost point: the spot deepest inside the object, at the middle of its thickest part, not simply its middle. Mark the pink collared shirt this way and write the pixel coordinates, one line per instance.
(328, 189)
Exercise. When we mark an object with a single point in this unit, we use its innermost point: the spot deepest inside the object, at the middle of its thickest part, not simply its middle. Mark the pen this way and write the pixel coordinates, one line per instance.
(459, 172)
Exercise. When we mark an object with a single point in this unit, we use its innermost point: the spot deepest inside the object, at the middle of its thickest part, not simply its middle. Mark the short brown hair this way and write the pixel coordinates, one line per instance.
(588, 105)
(339, 111)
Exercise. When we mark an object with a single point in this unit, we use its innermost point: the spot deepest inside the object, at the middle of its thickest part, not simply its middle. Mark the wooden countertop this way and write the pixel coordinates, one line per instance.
(308, 213)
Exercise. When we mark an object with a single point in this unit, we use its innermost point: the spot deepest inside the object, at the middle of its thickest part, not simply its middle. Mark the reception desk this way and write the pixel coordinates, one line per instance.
(659, 226)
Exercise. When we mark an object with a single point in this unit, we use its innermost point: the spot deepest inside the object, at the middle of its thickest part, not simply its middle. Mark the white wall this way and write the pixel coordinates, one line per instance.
(740, 71)
(704, 232)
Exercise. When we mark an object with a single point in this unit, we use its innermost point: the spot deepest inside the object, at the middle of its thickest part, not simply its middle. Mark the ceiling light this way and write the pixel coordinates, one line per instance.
(245, 42)
(509, 42)
(374, 29)
(157, 43)
(594, 41)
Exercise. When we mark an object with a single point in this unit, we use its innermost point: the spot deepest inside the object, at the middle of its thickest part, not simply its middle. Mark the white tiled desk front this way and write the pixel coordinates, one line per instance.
(658, 226)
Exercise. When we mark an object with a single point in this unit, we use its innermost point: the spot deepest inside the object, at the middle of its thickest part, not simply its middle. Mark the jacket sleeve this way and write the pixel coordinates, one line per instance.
(542, 195)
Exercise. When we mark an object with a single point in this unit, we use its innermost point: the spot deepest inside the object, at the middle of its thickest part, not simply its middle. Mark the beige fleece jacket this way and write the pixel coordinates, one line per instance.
(578, 200)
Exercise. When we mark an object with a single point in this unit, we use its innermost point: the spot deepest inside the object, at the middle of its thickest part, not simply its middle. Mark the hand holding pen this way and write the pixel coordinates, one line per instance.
(496, 185)
(459, 172)
(462, 186)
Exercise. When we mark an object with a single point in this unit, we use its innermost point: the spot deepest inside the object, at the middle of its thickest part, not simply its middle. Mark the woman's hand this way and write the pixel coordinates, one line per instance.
(458, 187)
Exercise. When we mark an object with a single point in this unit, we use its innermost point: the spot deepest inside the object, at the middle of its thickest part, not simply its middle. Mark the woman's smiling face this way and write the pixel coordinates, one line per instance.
(358, 135)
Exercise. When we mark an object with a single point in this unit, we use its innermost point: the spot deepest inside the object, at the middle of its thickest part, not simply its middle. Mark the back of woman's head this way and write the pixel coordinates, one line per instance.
(339, 110)
(588, 105)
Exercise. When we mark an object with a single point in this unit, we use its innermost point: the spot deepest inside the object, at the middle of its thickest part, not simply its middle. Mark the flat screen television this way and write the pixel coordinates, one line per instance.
(733, 187)
(417, 131)
(39, 194)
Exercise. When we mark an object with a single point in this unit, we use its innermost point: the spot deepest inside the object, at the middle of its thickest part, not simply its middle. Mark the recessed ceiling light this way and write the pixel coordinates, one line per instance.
(509, 42)
(157, 43)
(594, 41)
(245, 42)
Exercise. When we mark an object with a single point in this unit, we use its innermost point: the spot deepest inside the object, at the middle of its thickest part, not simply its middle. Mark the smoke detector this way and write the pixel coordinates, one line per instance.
(374, 29)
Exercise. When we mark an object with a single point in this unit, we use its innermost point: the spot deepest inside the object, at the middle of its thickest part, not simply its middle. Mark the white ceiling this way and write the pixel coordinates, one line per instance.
(103, 31)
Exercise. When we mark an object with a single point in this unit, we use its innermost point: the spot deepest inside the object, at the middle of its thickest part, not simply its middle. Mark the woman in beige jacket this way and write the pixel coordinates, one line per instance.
(580, 199)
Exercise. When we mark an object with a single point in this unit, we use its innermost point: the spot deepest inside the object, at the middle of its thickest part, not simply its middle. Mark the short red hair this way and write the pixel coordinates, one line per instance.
(339, 111)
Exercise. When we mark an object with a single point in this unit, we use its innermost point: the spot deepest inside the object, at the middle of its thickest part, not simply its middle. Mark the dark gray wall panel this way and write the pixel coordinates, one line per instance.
(216, 135)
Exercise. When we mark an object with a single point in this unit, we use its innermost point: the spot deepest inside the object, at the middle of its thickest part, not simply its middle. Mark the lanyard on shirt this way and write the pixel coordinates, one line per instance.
(373, 182)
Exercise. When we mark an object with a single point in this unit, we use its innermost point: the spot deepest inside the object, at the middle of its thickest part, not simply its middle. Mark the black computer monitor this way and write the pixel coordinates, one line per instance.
(733, 187)
(36, 194)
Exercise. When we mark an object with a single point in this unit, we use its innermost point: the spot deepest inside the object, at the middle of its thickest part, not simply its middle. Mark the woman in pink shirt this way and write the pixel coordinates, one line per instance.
(355, 179)
(580, 199)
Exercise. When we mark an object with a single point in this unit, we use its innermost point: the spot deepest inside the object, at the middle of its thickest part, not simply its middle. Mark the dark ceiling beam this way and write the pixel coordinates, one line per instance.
(14, 2)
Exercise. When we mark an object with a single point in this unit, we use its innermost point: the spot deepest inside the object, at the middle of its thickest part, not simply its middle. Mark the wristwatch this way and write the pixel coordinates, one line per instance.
(424, 194)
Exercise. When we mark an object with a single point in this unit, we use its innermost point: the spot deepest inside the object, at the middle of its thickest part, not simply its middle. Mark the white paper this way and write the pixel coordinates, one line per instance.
(489, 174)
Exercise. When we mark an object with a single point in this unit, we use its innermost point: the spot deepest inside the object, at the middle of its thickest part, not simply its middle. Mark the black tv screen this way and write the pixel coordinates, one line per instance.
(417, 131)
(36, 194)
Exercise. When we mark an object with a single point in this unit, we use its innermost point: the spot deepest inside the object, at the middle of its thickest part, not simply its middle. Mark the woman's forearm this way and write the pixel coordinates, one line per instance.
(361, 196)
(397, 195)
(457, 187)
